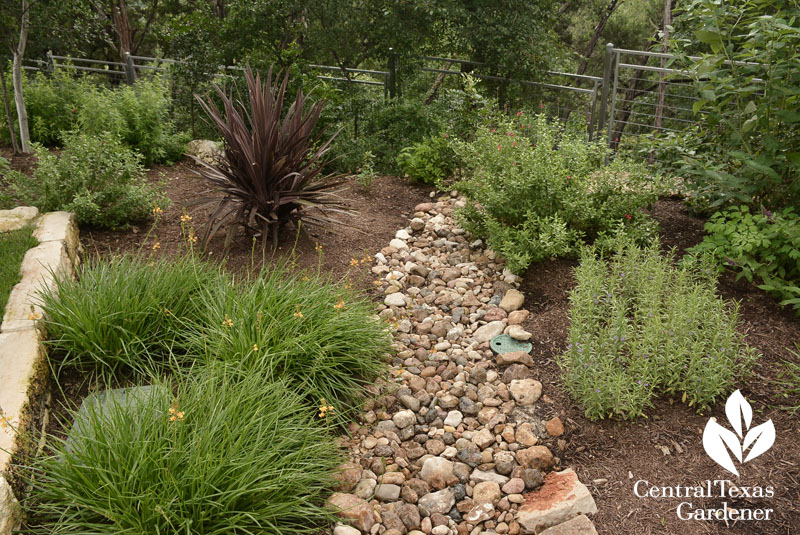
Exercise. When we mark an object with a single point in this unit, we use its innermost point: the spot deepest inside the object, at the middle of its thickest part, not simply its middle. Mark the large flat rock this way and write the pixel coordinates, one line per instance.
(17, 218)
(560, 499)
(21, 355)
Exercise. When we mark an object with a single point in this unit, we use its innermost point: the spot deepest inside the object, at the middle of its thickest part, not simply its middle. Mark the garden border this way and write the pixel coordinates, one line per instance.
(22, 364)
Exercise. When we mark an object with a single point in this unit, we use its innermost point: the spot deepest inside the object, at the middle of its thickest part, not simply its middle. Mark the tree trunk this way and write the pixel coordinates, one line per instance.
(218, 7)
(9, 117)
(122, 26)
(662, 86)
(437, 83)
(19, 53)
(598, 30)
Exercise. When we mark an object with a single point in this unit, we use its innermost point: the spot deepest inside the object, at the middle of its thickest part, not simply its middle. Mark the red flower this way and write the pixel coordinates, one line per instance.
(628, 216)
(568, 177)
(519, 113)
(74, 110)
(498, 147)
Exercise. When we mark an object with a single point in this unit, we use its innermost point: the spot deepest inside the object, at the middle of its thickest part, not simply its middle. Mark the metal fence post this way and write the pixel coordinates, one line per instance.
(392, 74)
(51, 64)
(606, 82)
(613, 112)
(130, 69)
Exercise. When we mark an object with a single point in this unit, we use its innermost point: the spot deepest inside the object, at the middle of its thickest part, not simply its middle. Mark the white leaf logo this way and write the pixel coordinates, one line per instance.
(720, 442)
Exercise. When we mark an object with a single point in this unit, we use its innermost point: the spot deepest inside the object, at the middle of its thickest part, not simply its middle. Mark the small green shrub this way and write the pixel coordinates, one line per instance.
(366, 173)
(13, 246)
(789, 381)
(534, 191)
(430, 161)
(52, 103)
(641, 328)
(124, 315)
(97, 177)
(222, 454)
(139, 115)
(764, 246)
(319, 334)
(385, 128)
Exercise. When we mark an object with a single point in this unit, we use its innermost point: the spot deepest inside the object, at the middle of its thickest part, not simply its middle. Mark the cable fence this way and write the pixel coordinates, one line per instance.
(640, 92)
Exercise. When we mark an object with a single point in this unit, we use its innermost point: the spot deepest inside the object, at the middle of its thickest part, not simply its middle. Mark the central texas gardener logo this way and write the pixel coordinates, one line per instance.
(719, 442)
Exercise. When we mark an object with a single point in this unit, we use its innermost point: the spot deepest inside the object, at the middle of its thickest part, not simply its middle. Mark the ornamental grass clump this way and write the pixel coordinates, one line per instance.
(317, 333)
(641, 328)
(123, 315)
(214, 454)
(271, 173)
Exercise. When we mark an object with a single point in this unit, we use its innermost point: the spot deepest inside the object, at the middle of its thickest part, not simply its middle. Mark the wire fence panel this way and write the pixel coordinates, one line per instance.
(640, 92)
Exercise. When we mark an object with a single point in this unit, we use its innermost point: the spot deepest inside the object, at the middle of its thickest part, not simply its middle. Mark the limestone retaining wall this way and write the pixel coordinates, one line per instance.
(22, 365)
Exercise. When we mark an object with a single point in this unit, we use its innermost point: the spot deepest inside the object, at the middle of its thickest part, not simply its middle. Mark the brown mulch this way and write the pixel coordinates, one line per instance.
(666, 449)
(378, 213)
(608, 456)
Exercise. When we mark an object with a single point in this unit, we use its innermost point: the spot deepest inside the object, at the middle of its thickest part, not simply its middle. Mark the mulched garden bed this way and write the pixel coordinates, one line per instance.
(666, 449)
(608, 456)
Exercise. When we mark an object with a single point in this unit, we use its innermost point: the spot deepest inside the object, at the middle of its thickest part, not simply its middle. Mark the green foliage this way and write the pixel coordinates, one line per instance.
(139, 115)
(13, 246)
(789, 380)
(221, 453)
(386, 128)
(272, 170)
(430, 161)
(763, 246)
(366, 173)
(97, 177)
(321, 336)
(747, 79)
(123, 316)
(52, 103)
(534, 191)
(129, 315)
(641, 328)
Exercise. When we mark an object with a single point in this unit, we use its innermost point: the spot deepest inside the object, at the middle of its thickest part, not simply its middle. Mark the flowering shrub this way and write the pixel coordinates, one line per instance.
(641, 328)
(535, 191)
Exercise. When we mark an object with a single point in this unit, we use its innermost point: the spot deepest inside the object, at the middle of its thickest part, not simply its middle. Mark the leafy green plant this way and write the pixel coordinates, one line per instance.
(97, 177)
(761, 246)
(13, 246)
(430, 161)
(271, 173)
(366, 173)
(123, 315)
(317, 333)
(534, 191)
(218, 453)
(52, 103)
(385, 128)
(138, 316)
(746, 77)
(789, 380)
(139, 115)
(642, 328)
